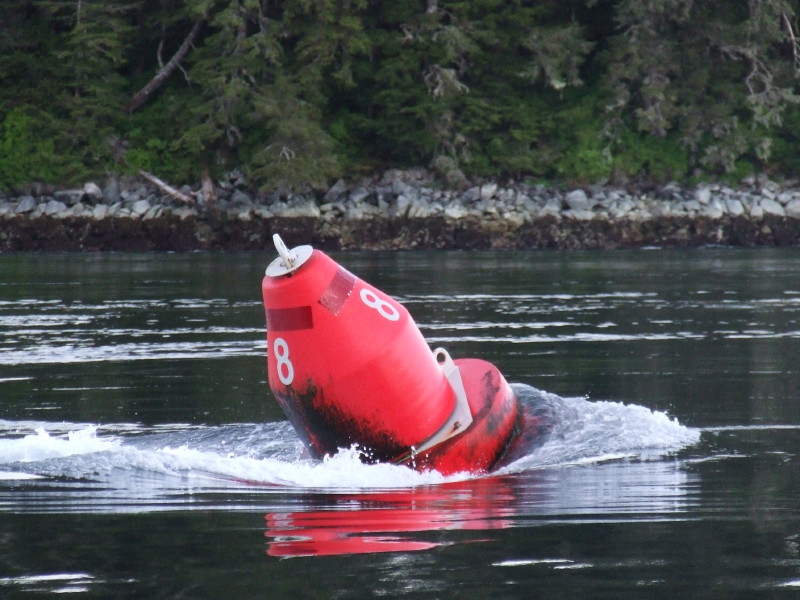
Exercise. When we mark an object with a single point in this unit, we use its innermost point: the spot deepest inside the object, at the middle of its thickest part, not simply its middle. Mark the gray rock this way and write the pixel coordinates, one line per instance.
(471, 196)
(278, 207)
(338, 188)
(26, 205)
(578, 215)
(240, 200)
(111, 191)
(551, 207)
(132, 194)
(184, 212)
(661, 209)
(99, 212)
(578, 200)
(359, 194)
(402, 206)
(772, 207)
(401, 187)
(244, 215)
(140, 207)
(78, 210)
(93, 192)
(305, 209)
(455, 212)
(702, 195)
(69, 197)
(691, 206)
(153, 213)
(734, 206)
(793, 209)
(714, 209)
(237, 178)
(419, 209)
(263, 212)
(488, 190)
(514, 219)
(54, 207)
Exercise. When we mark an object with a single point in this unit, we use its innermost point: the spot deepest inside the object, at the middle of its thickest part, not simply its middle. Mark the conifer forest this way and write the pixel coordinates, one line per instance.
(298, 93)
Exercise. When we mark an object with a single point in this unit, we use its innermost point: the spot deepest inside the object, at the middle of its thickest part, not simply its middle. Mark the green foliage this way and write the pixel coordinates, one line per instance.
(786, 145)
(716, 75)
(146, 146)
(298, 93)
(27, 154)
(650, 157)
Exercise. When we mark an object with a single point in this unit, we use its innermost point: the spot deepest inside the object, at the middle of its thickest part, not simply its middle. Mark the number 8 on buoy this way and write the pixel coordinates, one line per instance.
(386, 310)
(283, 365)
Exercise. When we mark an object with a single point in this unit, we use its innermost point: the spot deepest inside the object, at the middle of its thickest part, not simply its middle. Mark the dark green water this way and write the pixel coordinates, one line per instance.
(142, 456)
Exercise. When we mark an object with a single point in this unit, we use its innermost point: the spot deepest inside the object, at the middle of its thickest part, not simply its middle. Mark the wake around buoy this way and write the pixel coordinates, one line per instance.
(349, 367)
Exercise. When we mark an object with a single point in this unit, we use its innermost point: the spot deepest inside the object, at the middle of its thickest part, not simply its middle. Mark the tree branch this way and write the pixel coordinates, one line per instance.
(143, 94)
(793, 40)
(165, 187)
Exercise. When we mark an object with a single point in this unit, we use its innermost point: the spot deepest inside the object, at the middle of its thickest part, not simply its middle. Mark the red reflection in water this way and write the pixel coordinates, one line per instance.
(376, 522)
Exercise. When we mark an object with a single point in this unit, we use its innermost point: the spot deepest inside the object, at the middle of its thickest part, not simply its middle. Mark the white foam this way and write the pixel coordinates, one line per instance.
(341, 471)
(41, 445)
(15, 476)
(586, 432)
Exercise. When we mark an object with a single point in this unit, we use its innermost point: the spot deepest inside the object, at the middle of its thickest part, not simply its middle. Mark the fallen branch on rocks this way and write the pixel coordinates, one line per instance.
(165, 187)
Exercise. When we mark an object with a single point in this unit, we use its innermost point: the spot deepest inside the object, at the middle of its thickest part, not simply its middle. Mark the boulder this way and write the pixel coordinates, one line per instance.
(488, 190)
(702, 195)
(338, 188)
(69, 197)
(25, 205)
(714, 209)
(577, 200)
(140, 207)
(772, 207)
(240, 200)
(793, 209)
(111, 191)
(734, 206)
(54, 207)
(92, 192)
(99, 212)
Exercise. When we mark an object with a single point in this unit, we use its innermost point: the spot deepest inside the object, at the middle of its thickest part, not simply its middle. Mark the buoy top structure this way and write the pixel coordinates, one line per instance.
(349, 366)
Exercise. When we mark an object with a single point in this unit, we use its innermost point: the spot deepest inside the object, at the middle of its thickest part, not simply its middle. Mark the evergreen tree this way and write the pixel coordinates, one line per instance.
(89, 105)
(716, 75)
(299, 92)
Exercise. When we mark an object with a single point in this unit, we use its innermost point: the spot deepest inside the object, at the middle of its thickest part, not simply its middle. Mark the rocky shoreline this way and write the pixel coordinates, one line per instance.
(399, 210)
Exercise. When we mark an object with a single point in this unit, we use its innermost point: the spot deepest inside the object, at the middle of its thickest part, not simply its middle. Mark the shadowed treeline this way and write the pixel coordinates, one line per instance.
(297, 94)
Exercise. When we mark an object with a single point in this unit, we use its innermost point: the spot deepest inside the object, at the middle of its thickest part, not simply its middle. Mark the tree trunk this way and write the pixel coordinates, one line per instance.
(143, 94)
(209, 195)
(165, 187)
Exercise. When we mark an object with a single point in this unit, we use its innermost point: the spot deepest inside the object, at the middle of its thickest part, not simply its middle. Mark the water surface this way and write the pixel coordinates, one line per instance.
(142, 455)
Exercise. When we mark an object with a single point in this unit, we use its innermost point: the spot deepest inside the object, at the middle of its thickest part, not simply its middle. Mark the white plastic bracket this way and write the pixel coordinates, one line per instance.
(461, 418)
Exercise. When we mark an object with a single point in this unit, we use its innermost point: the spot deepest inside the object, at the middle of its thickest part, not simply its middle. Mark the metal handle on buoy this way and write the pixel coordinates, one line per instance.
(283, 251)
(288, 261)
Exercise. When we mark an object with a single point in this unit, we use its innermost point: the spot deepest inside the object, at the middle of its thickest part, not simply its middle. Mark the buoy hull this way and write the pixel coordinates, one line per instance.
(496, 421)
(348, 365)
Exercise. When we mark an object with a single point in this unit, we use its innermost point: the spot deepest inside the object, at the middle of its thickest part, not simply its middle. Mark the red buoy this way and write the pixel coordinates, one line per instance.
(348, 365)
